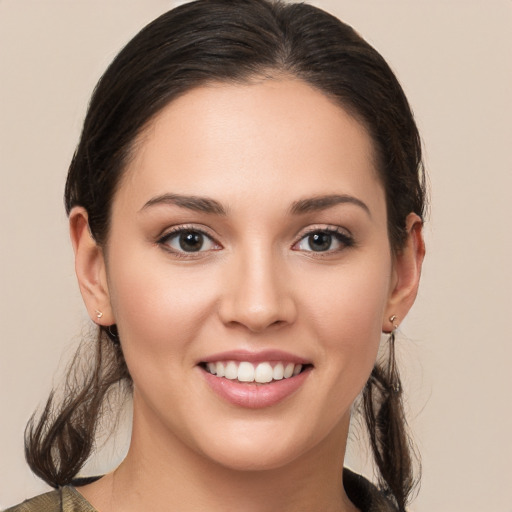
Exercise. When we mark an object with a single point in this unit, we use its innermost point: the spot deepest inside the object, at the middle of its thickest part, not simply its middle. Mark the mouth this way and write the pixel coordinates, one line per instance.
(255, 380)
(264, 372)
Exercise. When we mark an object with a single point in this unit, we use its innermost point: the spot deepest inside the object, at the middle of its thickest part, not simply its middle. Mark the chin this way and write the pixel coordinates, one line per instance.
(253, 458)
(269, 445)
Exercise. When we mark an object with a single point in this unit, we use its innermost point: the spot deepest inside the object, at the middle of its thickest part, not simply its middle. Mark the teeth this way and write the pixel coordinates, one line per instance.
(220, 371)
(288, 370)
(278, 371)
(246, 372)
(262, 373)
(231, 371)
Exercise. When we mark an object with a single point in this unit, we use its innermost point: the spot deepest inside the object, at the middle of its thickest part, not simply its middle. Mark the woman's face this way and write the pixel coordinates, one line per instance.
(248, 236)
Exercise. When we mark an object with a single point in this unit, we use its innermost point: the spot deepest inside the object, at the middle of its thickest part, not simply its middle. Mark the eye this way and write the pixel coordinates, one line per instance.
(324, 240)
(185, 240)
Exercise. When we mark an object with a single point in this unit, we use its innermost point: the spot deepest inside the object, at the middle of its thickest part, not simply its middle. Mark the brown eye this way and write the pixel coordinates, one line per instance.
(191, 241)
(188, 241)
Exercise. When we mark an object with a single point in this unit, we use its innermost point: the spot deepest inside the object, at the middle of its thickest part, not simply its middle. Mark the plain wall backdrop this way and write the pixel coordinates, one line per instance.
(454, 60)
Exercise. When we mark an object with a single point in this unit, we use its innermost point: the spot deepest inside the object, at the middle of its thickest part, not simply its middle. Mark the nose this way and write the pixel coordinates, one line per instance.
(257, 294)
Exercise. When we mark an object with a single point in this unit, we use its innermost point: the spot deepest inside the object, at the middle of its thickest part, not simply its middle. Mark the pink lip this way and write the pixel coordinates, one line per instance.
(252, 395)
(255, 357)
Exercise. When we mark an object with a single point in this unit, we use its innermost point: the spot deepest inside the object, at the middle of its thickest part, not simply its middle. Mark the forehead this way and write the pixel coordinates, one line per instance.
(271, 134)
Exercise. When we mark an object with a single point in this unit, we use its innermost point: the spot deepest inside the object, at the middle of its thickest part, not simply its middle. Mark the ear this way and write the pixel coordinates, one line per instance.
(90, 268)
(406, 274)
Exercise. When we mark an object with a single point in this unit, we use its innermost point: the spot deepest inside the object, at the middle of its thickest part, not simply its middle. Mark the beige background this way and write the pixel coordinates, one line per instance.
(454, 59)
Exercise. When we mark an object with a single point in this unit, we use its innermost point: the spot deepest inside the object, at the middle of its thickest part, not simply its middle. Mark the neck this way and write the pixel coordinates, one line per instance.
(162, 473)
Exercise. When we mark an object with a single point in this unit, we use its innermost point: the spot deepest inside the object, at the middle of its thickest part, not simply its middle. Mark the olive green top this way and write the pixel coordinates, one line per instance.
(363, 494)
(65, 499)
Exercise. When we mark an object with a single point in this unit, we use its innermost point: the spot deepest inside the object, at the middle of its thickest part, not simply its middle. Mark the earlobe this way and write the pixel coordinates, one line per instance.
(90, 268)
(407, 271)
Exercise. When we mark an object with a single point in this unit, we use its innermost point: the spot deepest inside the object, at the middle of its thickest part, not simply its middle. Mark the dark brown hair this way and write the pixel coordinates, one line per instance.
(232, 41)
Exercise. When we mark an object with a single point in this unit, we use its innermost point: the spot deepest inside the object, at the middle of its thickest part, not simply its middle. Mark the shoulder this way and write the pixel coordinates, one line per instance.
(65, 499)
(364, 495)
(48, 502)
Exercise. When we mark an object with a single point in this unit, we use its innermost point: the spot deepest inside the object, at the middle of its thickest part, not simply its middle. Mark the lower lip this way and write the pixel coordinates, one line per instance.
(252, 395)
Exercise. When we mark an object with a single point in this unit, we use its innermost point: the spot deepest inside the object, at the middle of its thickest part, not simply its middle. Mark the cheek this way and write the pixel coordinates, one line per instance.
(345, 316)
(157, 308)
(349, 303)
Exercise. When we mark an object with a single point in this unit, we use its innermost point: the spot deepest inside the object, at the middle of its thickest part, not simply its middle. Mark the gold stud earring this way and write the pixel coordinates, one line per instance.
(394, 321)
(99, 314)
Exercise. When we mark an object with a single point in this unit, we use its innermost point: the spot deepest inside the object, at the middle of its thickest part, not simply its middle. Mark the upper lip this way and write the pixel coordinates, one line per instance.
(255, 357)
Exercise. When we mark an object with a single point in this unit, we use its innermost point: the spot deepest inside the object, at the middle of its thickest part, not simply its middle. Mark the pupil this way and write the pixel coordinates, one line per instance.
(191, 241)
(320, 241)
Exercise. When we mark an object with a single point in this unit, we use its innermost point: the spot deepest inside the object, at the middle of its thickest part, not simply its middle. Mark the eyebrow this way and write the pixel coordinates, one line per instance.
(195, 203)
(208, 205)
(319, 203)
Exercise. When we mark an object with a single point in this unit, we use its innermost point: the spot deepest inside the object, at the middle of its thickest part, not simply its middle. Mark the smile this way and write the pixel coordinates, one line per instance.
(261, 373)
(255, 380)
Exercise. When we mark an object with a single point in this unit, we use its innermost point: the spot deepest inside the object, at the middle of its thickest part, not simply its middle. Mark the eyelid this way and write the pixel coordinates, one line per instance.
(170, 230)
(343, 235)
(169, 233)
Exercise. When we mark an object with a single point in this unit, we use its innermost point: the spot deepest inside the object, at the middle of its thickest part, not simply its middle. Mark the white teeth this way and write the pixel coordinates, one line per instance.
(220, 370)
(288, 370)
(246, 372)
(278, 371)
(263, 373)
(231, 371)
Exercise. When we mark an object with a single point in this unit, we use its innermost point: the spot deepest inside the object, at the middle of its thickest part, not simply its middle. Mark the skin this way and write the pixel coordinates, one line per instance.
(257, 150)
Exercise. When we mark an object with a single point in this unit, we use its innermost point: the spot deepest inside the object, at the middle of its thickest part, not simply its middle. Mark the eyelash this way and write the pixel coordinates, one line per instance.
(163, 241)
(345, 239)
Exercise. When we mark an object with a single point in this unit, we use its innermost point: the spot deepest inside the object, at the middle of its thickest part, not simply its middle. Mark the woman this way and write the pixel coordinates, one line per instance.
(245, 207)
